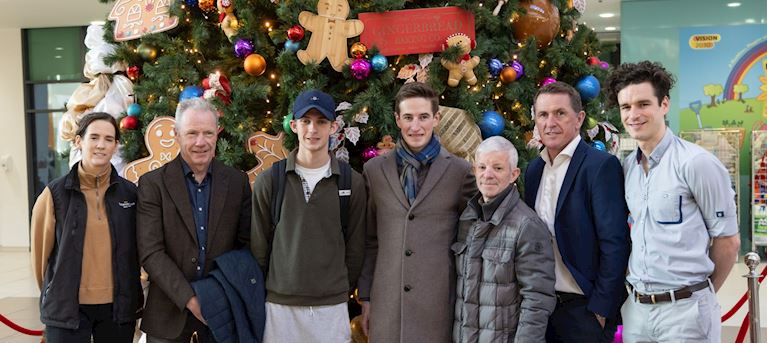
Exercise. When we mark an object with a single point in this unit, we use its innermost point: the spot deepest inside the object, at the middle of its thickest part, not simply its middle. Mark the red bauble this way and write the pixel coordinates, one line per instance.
(133, 72)
(129, 123)
(296, 33)
(593, 60)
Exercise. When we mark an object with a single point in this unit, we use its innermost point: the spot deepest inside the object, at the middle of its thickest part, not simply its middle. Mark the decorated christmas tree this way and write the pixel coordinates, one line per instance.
(252, 57)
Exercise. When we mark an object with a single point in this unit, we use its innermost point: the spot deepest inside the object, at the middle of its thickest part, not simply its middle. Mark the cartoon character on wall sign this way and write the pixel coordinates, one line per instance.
(160, 140)
(330, 30)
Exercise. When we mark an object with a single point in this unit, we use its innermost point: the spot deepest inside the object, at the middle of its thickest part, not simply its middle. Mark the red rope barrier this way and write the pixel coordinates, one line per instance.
(18, 328)
(742, 332)
(742, 300)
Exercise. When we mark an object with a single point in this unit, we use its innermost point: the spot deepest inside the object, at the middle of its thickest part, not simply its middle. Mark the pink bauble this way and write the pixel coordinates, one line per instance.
(548, 80)
(360, 69)
(369, 153)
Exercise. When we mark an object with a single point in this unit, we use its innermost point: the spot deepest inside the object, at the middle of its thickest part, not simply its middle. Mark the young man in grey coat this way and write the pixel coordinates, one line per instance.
(415, 195)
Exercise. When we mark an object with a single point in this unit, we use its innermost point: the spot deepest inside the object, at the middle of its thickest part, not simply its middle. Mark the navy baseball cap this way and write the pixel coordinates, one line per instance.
(316, 99)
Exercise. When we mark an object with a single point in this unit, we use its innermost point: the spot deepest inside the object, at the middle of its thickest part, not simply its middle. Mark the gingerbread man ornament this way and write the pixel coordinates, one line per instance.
(330, 30)
(160, 140)
(268, 150)
(464, 67)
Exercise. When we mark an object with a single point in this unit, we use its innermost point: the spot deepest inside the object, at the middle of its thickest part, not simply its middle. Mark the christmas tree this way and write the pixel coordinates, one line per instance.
(246, 55)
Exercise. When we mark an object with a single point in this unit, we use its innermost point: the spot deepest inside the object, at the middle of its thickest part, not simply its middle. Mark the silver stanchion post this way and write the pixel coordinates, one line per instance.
(752, 260)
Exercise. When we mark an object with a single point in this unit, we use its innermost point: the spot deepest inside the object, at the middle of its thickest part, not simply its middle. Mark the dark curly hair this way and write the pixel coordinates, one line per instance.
(628, 74)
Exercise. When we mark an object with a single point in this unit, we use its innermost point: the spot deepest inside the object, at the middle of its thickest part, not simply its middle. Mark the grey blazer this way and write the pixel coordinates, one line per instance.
(408, 272)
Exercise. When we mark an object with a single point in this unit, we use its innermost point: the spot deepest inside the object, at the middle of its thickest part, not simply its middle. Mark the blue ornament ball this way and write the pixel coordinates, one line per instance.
(292, 46)
(191, 3)
(492, 124)
(379, 62)
(190, 92)
(495, 66)
(599, 145)
(133, 110)
(588, 86)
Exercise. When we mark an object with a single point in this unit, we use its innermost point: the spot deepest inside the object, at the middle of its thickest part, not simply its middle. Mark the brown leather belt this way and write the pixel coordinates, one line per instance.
(682, 293)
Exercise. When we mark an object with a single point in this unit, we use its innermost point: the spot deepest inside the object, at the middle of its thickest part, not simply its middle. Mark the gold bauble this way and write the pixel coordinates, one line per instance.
(147, 52)
(207, 5)
(255, 64)
(508, 75)
(358, 50)
(540, 20)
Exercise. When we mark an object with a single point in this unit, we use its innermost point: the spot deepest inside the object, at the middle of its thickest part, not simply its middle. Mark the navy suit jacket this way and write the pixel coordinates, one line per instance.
(590, 224)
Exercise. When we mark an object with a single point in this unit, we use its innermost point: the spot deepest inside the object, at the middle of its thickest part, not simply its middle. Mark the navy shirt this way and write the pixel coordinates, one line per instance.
(199, 197)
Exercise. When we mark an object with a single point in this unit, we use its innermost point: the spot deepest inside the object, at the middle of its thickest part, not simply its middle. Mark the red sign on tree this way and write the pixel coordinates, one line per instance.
(414, 31)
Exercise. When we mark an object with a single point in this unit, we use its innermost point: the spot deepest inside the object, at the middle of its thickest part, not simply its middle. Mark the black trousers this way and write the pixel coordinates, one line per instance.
(572, 322)
(96, 321)
(192, 328)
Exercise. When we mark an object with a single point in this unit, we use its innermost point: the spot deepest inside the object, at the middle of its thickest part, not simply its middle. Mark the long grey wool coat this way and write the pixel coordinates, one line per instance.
(408, 272)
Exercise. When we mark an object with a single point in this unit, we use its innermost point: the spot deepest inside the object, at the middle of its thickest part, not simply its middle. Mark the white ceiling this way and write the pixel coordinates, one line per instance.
(53, 13)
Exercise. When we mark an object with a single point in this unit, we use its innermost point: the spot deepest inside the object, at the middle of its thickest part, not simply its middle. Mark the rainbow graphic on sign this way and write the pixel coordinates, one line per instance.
(742, 66)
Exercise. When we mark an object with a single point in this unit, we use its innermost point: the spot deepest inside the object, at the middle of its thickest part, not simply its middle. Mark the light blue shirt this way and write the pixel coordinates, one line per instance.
(683, 201)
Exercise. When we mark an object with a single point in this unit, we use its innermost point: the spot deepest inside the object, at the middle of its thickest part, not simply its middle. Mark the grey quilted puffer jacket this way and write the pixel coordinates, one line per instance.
(505, 267)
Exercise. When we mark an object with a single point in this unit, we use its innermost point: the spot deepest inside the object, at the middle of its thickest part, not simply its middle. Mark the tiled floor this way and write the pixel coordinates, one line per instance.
(18, 298)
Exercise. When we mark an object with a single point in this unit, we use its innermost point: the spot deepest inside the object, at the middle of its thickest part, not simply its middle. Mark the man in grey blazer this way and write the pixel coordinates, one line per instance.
(415, 195)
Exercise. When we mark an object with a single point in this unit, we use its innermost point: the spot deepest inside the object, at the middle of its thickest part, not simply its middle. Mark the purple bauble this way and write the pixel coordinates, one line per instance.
(519, 68)
(604, 65)
(243, 47)
(369, 153)
(360, 68)
(547, 80)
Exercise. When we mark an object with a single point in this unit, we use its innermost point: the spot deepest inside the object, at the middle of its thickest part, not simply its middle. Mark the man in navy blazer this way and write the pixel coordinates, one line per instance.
(578, 192)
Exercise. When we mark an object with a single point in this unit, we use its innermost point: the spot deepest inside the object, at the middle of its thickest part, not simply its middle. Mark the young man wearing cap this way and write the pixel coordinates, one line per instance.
(310, 261)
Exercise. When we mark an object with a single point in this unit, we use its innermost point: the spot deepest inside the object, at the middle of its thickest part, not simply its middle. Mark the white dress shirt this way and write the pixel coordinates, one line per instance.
(546, 207)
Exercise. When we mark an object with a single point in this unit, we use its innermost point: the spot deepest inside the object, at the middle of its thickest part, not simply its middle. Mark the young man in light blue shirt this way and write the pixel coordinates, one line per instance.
(685, 232)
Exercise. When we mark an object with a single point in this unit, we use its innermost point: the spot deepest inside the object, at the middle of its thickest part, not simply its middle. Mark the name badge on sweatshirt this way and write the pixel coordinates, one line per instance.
(344, 192)
(126, 204)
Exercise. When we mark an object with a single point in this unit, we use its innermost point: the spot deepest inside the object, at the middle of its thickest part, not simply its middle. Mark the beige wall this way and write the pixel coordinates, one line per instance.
(14, 209)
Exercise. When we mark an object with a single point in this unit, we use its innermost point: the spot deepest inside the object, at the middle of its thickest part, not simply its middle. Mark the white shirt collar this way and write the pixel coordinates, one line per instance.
(567, 152)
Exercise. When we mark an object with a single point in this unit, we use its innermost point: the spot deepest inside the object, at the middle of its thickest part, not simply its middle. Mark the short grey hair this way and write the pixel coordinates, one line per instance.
(198, 104)
(498, 143)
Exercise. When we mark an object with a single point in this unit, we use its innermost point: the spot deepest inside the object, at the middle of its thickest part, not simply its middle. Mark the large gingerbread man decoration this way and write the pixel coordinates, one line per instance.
(160, 140)
(330, 30)
(268, 150)
(464, 67)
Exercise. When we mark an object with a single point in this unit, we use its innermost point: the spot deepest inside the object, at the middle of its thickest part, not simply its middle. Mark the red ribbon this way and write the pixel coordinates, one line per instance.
(18, 328)
(742, 300)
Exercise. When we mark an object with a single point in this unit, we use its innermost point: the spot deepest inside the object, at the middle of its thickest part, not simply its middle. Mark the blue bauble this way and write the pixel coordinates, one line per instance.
(379, 62)
(588, 86)
(492, 124)
(292, 46)
(190, 92)
(495, 66)
(597, 144)
(191, 3)
(133, 110)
